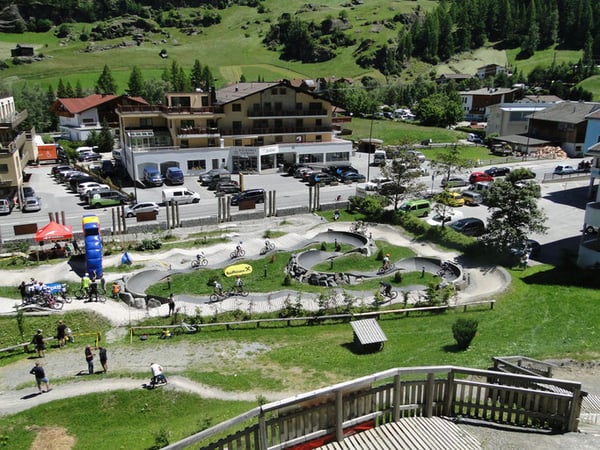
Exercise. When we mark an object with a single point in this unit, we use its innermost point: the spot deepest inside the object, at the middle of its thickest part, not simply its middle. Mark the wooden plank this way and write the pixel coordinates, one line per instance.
(368, 331)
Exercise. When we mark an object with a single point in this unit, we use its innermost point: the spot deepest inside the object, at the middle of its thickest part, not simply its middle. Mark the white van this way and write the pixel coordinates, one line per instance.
(379, 157)
(180, 195)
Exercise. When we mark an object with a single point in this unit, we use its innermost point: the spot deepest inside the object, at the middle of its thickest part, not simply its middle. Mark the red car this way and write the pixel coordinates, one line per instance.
(480, 176)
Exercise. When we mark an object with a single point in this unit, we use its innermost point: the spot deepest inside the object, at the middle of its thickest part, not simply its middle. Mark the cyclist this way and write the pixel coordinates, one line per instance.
(157, 374)
(267, 244)
(200, 256)
(93, 291)
(218, 288)
(238, 248)
(85, 284)
(239, 284)
(386, 288)
(116, 289)
(385, 264)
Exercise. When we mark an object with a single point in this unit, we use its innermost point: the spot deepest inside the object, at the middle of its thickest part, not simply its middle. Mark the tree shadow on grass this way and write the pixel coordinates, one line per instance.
(560, 276)
(453, 348)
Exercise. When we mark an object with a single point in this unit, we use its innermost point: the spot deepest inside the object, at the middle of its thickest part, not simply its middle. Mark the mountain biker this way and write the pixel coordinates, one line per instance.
(386, 288)
(85, 284)
(218, 288)
(239, 284)
(267, 244)
(200, 256)
(385, 264)
(238, 248)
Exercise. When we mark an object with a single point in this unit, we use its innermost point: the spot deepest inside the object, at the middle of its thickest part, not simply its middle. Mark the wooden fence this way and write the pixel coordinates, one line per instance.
(311, 320)
(389, 396)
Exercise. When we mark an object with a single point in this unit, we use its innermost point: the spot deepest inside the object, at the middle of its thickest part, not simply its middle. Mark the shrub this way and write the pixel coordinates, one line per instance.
(397, 277)
(287, 281)
(323, 246)
(464, 331)
(379, 256)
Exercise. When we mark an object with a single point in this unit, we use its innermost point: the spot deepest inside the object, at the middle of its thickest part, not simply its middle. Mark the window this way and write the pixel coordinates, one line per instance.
(196, 164)
(278, 106)
(315, 106)
(236, 107)
(282, 91)
(146, 122)
(236, 126)
(204, 101)
(298, 106)
(267, 106)
(318, 122)
(212, 142)
(237, 142)
(299, 123)
(3, 168)
(278, 124)
(187, 124)
(256, 107)
(318, 138)
(278, 139)
(184, 143)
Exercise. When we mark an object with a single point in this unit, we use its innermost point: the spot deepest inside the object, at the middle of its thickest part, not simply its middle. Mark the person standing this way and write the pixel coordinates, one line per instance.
(171, 304)
(40, 343)
(89, 357)
(103, 358)
(60, 333)
(40, 377)
(85, 284)
(94, 290)
(76, 248)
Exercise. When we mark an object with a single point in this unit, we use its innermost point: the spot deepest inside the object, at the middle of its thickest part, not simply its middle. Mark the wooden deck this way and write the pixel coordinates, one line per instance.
(411, 433)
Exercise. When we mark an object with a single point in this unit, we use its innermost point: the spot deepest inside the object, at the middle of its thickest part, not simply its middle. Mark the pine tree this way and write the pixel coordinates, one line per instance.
(196, 80)
(135, 86)
(106, 83)
(78, 90)
(60, 89)
(69, 91)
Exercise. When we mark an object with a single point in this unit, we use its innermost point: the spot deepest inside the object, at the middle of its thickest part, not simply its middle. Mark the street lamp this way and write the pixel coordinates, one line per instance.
(370, 147)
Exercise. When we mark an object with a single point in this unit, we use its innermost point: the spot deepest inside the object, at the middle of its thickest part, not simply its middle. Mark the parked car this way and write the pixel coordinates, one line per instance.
(56, 169)
(138, 208)
(453, 199)
(107, 168)
(352, 177)
(76, 180)
(338, 171)
(107, 198)
(258, 195)
(89, 186)
(376, 183)
(320, 178)
(480, 176)
(85, 196)
(470, 226)
(28, 191)
(564, 170)
(454, 182)
(89, 156)
(527, 246)
(419, 156)
(451, 215)
(498, 171)
(227, 187)
(31, 204)
(6, 206)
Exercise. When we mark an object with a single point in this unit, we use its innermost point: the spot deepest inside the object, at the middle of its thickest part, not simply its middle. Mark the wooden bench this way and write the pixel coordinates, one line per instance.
(368, 335)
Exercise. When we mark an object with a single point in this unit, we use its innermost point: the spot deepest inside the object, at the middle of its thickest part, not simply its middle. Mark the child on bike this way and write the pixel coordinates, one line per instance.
(386, 288)
(385, 264)
(218, 288)
(238, 248)
(239, 284)
(200, 256)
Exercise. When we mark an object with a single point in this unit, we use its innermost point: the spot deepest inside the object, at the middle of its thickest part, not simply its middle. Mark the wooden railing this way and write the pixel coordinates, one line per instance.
(389, 396)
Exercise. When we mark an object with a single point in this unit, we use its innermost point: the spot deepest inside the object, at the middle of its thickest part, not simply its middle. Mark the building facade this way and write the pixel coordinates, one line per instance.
(17, 149)
(249, 127)
(476, 103)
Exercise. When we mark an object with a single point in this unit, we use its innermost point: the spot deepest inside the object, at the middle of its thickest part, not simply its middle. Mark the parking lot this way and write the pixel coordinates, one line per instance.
(563, 199)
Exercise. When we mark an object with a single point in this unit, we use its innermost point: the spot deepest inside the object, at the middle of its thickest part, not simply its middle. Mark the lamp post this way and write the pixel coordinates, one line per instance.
(133, 171)
(370, 146)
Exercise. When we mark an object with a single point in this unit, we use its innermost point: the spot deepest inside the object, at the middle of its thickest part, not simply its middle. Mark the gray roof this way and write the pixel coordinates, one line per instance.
(489, 91)
(240, 90)
(567, 112)
(522, 139)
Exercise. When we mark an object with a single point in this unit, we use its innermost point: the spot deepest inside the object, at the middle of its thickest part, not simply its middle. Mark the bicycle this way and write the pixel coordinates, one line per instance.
(200, 261)
(387, 269)
(267, 248)
(238, 252)
(216, 297)
(392, 295)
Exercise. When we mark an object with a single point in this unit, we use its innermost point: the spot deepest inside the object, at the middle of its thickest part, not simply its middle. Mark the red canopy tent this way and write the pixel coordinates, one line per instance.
(54, 232)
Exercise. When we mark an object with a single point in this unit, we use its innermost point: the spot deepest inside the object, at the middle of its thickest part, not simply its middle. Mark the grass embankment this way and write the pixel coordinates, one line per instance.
(547, 313)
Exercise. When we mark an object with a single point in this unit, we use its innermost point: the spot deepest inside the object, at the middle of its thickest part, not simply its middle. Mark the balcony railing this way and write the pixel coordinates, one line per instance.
(491, 396)
(273, 130)
(187, 131)
(169, 110)
(286, 112)
(13, 120)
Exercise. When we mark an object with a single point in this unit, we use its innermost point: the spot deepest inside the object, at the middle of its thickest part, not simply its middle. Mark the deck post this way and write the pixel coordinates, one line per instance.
(575, 410)
(397, 387)
(429, 394)
(450, 387)
(339, 416)
(262, 432)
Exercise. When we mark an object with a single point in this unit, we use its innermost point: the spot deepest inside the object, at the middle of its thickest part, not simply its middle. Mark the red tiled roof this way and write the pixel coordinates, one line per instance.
(77, 105)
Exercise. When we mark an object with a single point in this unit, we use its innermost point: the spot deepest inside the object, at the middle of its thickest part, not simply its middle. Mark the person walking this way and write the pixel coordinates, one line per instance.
(103, 358)
(171, 304)
(89, 357)
(61, 333)
(40, 343)
(40, 377)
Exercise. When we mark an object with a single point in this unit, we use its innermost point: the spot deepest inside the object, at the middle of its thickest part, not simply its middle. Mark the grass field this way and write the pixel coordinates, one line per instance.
(234, 48)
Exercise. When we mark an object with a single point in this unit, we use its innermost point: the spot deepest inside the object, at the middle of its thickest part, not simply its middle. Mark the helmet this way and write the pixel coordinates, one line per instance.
(86, 274)
(387, 254)
(237, 276)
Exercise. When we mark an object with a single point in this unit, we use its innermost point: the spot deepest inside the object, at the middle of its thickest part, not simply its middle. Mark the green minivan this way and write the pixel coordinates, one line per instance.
(419, 208)
(107, 198)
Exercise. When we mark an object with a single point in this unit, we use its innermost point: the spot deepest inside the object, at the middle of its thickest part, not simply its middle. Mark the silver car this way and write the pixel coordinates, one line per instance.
(143, 207)
(31, 204)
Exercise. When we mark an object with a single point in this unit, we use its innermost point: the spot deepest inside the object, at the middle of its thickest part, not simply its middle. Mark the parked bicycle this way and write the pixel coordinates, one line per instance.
(200, 261)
